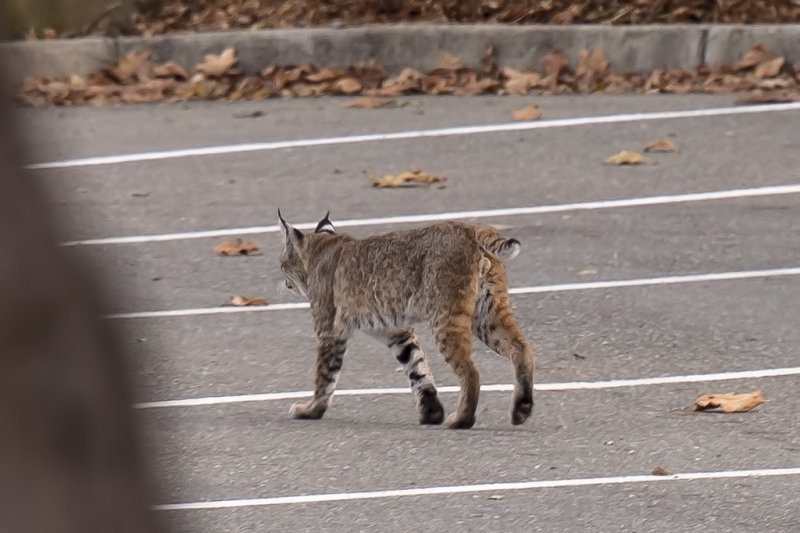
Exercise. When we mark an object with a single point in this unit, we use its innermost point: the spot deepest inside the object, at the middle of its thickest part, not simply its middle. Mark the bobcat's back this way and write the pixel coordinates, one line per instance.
(413, 275)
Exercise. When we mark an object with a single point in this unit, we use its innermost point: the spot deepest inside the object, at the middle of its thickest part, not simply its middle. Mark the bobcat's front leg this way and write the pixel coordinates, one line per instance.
(330, 354)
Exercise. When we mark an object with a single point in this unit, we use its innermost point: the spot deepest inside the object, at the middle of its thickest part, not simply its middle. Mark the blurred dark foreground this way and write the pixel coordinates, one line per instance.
(69, 457)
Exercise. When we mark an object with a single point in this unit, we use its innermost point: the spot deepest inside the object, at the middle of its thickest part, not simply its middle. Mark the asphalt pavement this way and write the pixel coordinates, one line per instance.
(577, 464)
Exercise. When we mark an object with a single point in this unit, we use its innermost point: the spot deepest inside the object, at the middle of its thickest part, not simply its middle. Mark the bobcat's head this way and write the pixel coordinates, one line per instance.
(294, 258)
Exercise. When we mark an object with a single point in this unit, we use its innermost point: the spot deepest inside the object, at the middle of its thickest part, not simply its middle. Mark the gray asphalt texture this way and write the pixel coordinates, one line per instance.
(368, 443)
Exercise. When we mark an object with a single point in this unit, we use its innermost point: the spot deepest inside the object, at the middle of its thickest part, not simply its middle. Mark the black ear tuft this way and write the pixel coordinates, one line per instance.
(283, 222)
(325, 225)
(292, 235)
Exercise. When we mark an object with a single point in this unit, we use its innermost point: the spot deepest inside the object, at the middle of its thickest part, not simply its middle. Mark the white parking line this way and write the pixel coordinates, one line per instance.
(415, 134)
(504, 387)
(773, 190)
(486, 487)
(613, 284)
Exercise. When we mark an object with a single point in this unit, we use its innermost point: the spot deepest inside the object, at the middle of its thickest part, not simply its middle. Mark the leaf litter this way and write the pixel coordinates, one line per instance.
(245, 301)
(627, 157)
(237, 247)
(530, 112)
(411, 178)
(135, 78)
(661, 145)
(730, 402)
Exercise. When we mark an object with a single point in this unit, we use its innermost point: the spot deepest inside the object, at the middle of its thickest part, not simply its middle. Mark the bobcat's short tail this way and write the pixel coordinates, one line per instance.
(497, 245)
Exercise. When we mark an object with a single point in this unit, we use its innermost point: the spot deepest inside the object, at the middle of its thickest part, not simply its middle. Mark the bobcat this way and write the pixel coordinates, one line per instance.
(449, 274)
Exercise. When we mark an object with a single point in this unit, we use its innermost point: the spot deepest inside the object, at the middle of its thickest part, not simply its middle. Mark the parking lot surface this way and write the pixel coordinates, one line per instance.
(640, 288)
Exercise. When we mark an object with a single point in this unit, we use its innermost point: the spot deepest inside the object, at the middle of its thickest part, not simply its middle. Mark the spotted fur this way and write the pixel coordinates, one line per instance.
(449, 274)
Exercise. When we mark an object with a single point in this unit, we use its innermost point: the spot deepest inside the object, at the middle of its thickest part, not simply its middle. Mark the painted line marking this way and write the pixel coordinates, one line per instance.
(613, 284)
(486, 487)
(505, 387)
(772, 190)
(414, 134)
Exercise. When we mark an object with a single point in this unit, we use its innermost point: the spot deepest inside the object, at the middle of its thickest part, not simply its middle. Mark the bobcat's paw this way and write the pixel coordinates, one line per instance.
(454, 421)
(521, 409)
(431, 410)
(305, 411)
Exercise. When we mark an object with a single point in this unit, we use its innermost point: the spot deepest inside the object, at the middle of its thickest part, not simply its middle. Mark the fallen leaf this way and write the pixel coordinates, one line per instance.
(171, 70)
(593, 63)
(370, 102)
(661, 145)
(128, 67)
(242, 301)
(660, 471)
(496, 497)
(448, 61)
(140, 194)
(756, 55)
(236, 247)
(769, 98)
(588, 272)
(411, 178)
(626, 157)
(577, 355)
(501, 227)
(554, 63)
(216, 66)
(326, 74)
(347, 86)
(769, 69)
(518, 82)
(730, 402)
(531, 112)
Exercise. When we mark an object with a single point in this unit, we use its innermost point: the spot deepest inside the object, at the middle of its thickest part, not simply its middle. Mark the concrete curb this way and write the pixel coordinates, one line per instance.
(628, 48)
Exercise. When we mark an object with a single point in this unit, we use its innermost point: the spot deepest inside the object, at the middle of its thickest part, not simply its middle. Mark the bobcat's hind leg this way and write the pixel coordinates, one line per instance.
(494, 324)
(330, 355)
(405, 347)
(454, 339)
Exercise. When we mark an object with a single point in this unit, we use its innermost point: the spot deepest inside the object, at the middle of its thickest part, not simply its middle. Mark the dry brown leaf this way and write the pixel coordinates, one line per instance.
(593, 63)
(779, 97)
(554, 63)
(755, 56)
(217, 66)
(730, 402)
(588, 272)
(496, 497)
(530, 112)
(518, 82)
(660, 471)
(370, 102)
(326, 74)
(171, 70)
(661, 145)
(412, 178)
(347, 86)
(236, 247)
(627, 157)
(769, 69)
(128, 67)
(476, 87)
(448, 61)
(242, 301)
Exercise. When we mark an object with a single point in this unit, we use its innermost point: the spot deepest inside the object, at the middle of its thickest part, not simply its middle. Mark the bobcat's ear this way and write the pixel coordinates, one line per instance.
(292, 237)
(325, 225)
